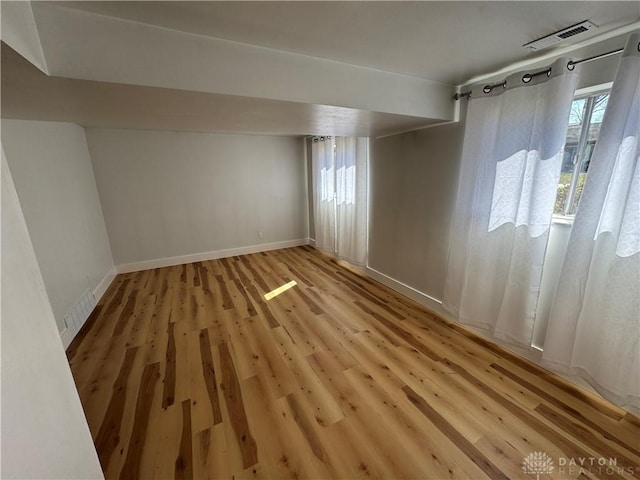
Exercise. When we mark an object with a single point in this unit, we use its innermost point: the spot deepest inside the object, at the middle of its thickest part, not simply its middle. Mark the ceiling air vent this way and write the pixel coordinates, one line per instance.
(560, 36)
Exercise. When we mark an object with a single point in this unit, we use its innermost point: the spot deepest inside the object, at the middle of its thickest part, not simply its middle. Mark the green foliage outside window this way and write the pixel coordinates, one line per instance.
(563, 191)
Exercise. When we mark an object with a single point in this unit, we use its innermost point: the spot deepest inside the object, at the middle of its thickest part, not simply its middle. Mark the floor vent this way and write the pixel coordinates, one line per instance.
(80, 311)
(560, 36)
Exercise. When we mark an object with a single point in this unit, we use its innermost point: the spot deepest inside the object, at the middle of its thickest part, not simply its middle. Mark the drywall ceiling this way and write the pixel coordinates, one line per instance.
(29, 94)
(447, 42)
(334, 68)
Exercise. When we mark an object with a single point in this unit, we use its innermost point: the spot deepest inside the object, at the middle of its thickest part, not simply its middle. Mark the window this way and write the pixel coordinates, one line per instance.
(340, 196)
(585, 119)
(338, 175)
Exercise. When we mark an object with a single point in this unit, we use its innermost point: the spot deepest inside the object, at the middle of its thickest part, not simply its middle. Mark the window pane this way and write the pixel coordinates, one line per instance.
(565, 178)
(572, 157)
(570, 154)
(577, 111)
(599, 106)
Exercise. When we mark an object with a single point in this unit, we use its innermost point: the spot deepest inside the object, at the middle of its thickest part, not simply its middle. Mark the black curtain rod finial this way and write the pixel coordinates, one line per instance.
(460, 95)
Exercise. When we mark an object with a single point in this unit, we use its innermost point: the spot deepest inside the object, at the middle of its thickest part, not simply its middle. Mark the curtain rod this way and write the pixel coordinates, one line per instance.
(527, 76)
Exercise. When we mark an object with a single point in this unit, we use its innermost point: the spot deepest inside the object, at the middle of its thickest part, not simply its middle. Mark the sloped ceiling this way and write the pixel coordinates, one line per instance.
(342, 68)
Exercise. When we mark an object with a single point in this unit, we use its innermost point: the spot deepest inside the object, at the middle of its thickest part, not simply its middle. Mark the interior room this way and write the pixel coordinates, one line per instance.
(320, 239)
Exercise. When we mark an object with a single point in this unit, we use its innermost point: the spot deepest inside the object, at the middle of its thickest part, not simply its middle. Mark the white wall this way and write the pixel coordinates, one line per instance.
(413, 187)
(171, 194)
(54, 179)
(44, 432)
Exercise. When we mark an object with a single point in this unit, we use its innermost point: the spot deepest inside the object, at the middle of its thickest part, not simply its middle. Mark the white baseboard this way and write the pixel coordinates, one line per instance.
(102, 287)
(431, 303)
(435, 305)
(199, 257)
(66, 336)
(534, 354)
(312, 242)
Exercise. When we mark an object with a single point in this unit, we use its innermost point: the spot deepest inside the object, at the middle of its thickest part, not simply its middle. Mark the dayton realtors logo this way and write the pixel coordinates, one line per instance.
(537, 463)
(540, 463)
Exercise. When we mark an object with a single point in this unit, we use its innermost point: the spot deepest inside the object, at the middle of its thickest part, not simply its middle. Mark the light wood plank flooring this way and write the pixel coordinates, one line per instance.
(187, 372)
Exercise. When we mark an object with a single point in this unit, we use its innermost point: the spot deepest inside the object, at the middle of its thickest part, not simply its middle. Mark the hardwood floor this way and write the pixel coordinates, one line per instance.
(188, 372)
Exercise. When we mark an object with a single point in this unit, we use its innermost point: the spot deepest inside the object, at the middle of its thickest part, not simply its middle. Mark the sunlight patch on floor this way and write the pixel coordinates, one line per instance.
(279, 290)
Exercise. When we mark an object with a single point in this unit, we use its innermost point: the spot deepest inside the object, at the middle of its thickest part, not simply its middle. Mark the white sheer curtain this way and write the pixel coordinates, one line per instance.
(512, 153)
(594, 328)
(340, 167)
(351, 196)
(322, 159)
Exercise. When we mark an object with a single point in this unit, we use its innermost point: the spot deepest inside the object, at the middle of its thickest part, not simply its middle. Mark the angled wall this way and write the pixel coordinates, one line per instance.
(19, 30)
(44, 431)
(54, 179)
